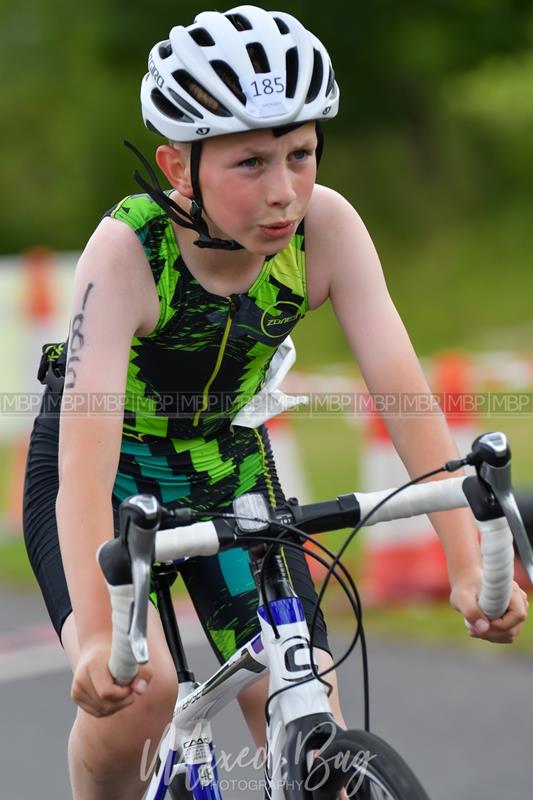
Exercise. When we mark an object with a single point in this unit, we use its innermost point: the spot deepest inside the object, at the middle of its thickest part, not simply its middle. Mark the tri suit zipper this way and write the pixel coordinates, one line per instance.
(232, 308)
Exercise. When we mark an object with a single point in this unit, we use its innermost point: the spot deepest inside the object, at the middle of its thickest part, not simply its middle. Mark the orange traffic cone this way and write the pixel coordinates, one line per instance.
(403, 560)
(38, 308)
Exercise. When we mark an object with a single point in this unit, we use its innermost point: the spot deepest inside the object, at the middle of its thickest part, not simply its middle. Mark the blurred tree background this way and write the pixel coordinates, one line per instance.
(433, 144)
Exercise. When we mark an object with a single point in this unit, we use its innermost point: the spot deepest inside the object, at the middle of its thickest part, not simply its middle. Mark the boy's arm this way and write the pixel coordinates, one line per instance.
(108, 307)
(380, 343)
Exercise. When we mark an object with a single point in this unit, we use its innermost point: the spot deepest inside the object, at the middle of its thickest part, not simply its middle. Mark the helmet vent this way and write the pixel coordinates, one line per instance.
(316, 78)
(258, 57)
(202, 37)
(291, 65)
(152, 127)
(283, 27)
(229, 77)
(184, 104)
(239, 22)
(165, 50)
(167, 108)
(200, 94)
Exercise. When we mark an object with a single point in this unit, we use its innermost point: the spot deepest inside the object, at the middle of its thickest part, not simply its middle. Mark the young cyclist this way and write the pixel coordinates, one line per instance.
(182, 300)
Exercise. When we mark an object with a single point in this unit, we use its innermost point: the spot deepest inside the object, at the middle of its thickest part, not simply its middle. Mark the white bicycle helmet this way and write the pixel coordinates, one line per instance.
(236, 71)
(231, 72)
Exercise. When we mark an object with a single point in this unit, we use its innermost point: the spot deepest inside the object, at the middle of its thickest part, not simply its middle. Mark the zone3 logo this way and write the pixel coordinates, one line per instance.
(279, 319)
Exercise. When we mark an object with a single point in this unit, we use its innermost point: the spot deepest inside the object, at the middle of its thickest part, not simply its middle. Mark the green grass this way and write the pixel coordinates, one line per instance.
(14, 565)
(431, 623)
(5, 472)
(15, 569)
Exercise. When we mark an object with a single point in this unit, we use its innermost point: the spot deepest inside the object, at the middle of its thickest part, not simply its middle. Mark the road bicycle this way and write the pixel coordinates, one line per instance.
(310, 757)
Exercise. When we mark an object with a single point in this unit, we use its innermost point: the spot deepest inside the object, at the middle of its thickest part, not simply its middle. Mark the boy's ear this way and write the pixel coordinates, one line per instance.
(174, 162)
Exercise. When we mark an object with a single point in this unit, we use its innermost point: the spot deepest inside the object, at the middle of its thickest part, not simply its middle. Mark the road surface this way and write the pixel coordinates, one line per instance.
(462, 719)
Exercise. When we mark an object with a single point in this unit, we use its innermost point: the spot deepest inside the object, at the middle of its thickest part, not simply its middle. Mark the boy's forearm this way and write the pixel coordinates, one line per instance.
(459, 539)
(85, 520)
(434, 446)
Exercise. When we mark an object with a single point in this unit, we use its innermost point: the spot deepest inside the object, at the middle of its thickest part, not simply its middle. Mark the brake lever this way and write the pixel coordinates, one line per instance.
(491, 455)
(140, 521)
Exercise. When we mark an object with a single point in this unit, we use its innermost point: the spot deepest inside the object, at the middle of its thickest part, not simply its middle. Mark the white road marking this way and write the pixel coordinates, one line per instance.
(28, 662)
(22, 658)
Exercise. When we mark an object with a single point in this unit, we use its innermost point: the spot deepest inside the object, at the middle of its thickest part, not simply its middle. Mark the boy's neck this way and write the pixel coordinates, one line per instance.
(221, 272)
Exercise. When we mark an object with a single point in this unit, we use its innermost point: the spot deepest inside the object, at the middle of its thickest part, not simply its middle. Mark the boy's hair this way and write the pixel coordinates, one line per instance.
(206, 99)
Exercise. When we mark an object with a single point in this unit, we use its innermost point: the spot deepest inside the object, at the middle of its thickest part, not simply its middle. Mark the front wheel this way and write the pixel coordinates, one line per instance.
(366, 766)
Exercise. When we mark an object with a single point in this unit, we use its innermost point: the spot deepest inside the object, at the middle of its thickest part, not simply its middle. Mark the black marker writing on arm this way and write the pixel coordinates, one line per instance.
(76, 341)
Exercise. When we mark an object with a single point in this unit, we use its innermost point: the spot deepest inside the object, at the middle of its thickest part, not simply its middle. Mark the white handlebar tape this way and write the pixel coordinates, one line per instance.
(498, 567)
(201, 539)
(122, 664)
(421, 498)
(198, 539)
(496, 537)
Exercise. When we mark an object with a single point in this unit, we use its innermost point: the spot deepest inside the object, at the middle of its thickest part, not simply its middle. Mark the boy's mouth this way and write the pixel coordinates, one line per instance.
(278, 229)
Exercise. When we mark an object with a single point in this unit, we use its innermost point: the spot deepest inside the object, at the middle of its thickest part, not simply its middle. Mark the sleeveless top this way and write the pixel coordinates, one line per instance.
(204, 361)
(208, 354)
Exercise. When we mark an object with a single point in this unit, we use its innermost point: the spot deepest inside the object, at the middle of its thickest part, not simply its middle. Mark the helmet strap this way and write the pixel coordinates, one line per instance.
(197, 207)
(319, 142)
(192, 220)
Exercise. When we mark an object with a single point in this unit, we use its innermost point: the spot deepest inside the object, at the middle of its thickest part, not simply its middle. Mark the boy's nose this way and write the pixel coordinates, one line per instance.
(280, 189)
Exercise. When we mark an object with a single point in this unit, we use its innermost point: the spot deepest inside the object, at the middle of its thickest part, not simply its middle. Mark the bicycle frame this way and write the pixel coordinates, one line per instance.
(188, 745)
(284, 643)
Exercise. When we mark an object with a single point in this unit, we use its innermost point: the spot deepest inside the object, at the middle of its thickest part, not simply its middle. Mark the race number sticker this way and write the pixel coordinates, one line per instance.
(206, 775)
(265, 93)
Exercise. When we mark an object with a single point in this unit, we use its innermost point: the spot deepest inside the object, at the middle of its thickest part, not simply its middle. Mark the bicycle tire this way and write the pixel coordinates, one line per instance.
(386, 776)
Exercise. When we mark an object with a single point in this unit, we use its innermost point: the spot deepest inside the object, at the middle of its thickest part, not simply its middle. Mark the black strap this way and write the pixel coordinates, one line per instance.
(320, 142)
(193, 220)
(51, 370)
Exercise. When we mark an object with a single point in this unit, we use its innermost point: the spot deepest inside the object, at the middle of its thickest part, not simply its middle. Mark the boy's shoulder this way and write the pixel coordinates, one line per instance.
(136, 210)
(324, 199)
(329, 212)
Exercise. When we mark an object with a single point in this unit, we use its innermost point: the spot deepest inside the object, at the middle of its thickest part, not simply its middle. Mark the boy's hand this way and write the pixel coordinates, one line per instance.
(504, 630)
(93, 688)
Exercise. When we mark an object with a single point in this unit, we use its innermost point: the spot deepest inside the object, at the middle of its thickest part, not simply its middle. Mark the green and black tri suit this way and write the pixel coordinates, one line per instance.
(206, 358)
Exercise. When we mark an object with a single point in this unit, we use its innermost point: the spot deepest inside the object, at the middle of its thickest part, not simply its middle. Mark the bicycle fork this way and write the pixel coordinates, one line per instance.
(292, 732)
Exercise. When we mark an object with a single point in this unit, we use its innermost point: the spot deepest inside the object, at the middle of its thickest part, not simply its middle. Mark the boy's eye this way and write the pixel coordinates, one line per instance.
(255, 161)
(300, 155)
(249, 162)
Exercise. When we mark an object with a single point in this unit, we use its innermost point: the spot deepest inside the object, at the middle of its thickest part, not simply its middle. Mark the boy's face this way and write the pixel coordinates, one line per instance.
(256, 187)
